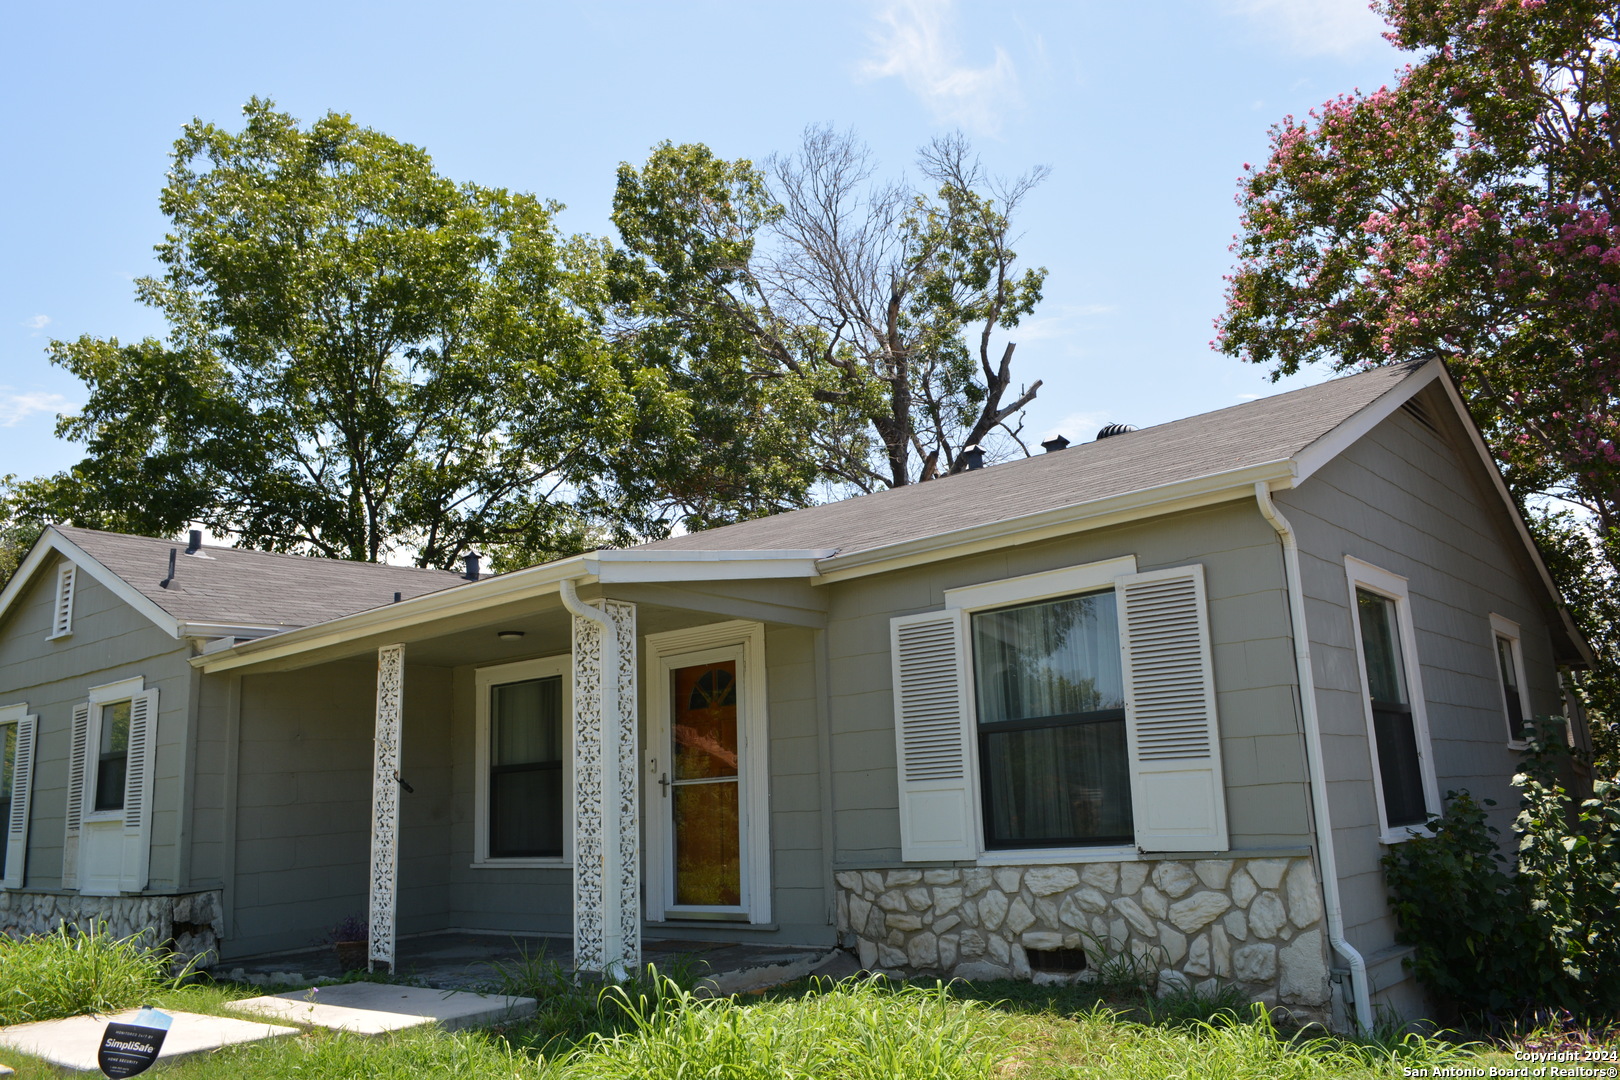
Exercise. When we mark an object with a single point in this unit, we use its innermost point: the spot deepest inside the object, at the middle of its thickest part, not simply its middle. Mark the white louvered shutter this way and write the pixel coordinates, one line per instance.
(78, 740)
(138, 790)
(933, 731)
(1178, 798)
(62, 614)
(22, 782)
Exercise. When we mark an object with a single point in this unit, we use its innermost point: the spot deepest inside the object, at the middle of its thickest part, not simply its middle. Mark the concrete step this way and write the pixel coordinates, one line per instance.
(72, 1043)
(374, 1008)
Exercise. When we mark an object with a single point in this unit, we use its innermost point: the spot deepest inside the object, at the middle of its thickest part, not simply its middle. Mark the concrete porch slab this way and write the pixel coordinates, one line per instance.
(73, 1043)
(375, 1008)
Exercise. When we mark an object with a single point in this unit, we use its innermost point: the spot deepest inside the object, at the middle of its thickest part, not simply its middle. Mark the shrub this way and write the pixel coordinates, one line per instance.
(1492, 942)
(70, 971)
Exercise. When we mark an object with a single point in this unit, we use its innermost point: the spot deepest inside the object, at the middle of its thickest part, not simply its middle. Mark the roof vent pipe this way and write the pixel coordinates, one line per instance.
(472, 566)
(1054, 444)
(974, 456)
(194, 542)
(1115, 429)
(168, 580)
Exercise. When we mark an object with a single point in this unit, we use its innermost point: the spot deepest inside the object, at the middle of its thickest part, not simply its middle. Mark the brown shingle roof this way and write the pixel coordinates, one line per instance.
(1269, 429)
(253, 588)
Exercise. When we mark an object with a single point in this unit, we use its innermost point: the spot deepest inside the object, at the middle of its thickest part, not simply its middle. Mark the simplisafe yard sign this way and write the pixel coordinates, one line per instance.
(130, 1049)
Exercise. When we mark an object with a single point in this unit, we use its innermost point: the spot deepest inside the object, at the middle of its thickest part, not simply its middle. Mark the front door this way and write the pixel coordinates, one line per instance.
(706, 762)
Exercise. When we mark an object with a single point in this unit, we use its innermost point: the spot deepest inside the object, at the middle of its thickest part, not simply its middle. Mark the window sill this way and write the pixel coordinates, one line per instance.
(521, 864)
(1040, 856)
(1517, 744)
(1405, 833)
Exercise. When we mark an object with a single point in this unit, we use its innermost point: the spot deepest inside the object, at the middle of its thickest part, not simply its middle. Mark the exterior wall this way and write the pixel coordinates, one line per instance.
(1261, 747)
(1251, 923)
(1415, 504)
(303, 804)
(802, 899)
(110, 642)
(191, 924)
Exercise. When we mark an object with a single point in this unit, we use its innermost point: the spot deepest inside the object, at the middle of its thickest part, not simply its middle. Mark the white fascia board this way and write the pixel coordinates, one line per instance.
(1338, 440)
(1099, 513)
(50, 540)
(236, 630)
(446, 603)
(633, 565)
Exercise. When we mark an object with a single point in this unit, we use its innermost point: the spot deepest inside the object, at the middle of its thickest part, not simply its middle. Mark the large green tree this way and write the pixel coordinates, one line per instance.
(819, 294)
(1470, 211)
(363, 356)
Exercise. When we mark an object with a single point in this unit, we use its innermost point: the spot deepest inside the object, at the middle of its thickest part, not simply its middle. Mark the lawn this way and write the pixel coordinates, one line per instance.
(859, 1029)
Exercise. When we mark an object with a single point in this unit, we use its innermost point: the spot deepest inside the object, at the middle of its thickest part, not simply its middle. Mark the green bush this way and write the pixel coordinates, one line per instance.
(1492, 942)
(69, 972)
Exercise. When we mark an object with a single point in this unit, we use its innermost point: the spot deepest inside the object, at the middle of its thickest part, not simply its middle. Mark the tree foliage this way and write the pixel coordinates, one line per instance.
(871, 307)
(363, 356)
(1471, 211)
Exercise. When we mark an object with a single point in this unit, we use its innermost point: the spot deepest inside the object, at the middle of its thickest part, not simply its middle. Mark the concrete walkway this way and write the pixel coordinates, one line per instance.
(375, 1008)
(73, 1043)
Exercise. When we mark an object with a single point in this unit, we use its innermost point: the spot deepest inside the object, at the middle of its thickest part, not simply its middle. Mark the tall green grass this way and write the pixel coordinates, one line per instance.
(69, 972)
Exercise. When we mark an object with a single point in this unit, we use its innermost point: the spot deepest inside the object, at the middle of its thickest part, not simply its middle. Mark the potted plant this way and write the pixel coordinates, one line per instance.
(349, 939)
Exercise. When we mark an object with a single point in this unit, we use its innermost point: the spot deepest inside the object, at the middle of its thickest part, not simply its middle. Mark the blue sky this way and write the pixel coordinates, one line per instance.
(1145, 112)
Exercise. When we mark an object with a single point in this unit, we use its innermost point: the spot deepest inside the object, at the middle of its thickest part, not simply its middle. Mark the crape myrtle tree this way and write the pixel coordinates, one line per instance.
(868, 312)
(1470, 211)
(363, 357)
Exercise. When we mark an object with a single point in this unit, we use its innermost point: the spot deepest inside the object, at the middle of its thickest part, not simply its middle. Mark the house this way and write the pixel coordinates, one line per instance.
(1169, 694)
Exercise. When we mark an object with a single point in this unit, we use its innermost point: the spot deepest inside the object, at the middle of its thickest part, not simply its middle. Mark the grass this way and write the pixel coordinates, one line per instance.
(657, 1026)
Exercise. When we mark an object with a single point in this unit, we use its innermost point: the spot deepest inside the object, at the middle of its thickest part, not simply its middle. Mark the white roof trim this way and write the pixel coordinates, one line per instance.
(50, 540)
(633, 565)
(1335, 442)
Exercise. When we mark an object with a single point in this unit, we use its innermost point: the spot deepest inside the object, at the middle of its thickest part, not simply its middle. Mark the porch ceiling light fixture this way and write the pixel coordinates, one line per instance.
(509, 635)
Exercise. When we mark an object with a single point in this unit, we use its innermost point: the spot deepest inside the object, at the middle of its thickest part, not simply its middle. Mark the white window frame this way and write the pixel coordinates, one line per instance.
(67, 578)
(1364, 575)
(497, 675)
(744, 641)
(1007, 592)
(1509, 630)
(101, 697)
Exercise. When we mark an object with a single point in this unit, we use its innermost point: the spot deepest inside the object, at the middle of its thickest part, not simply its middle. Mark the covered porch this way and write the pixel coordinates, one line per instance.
(514, 760)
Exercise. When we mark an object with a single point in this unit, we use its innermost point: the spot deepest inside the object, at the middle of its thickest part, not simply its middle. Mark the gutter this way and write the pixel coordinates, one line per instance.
(1360, 988)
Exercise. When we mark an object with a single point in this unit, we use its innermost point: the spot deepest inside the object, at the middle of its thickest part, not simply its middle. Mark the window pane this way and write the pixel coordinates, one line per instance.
(1057, 784)
(1381, 647)
(1510, 686)
(112, 757)
(705, 721)
(708, 850)
(1057, 658)
(526, 769)
(525, 816)
(526, 720)
(1398, 767)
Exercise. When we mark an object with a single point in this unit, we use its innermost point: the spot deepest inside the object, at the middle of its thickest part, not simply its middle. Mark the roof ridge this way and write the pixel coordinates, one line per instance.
(69, 529)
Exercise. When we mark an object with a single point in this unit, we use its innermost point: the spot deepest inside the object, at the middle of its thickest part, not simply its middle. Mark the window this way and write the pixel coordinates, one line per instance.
(17, 731)
(1510, 668)
(1053, 764)
(1072, 709)
(112, 757)
(1393, 699)
(62, 607)
(524, 772)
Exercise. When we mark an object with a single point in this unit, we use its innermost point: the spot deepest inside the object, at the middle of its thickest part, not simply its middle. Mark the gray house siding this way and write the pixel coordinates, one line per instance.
(1253, 664)
(1415, 503)
(110, 642)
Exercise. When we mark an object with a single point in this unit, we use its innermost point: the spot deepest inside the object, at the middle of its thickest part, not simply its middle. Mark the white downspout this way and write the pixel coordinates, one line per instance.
(1359, 987)
(612, 925)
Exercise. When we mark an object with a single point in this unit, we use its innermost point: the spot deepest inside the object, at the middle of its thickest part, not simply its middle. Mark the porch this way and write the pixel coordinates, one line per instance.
(474, 961)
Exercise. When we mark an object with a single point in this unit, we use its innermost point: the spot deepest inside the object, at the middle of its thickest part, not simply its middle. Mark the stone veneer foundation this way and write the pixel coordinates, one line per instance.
(189, 923)
(1253, 923)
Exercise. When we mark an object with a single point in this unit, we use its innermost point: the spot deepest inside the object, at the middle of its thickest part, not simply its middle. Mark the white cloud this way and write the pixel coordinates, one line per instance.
(38, 322)
(916, 42)
(18, 405)
(1078, 427)
(1057, 324)
(1314, 27)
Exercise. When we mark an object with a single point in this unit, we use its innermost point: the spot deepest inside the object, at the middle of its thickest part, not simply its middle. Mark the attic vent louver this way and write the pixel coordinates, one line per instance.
(974, 456)
(1115, 429)
(1054, 444)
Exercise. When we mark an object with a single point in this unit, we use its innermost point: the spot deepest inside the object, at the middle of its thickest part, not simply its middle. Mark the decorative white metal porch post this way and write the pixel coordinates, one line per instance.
(385, 804)
(607, 829)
